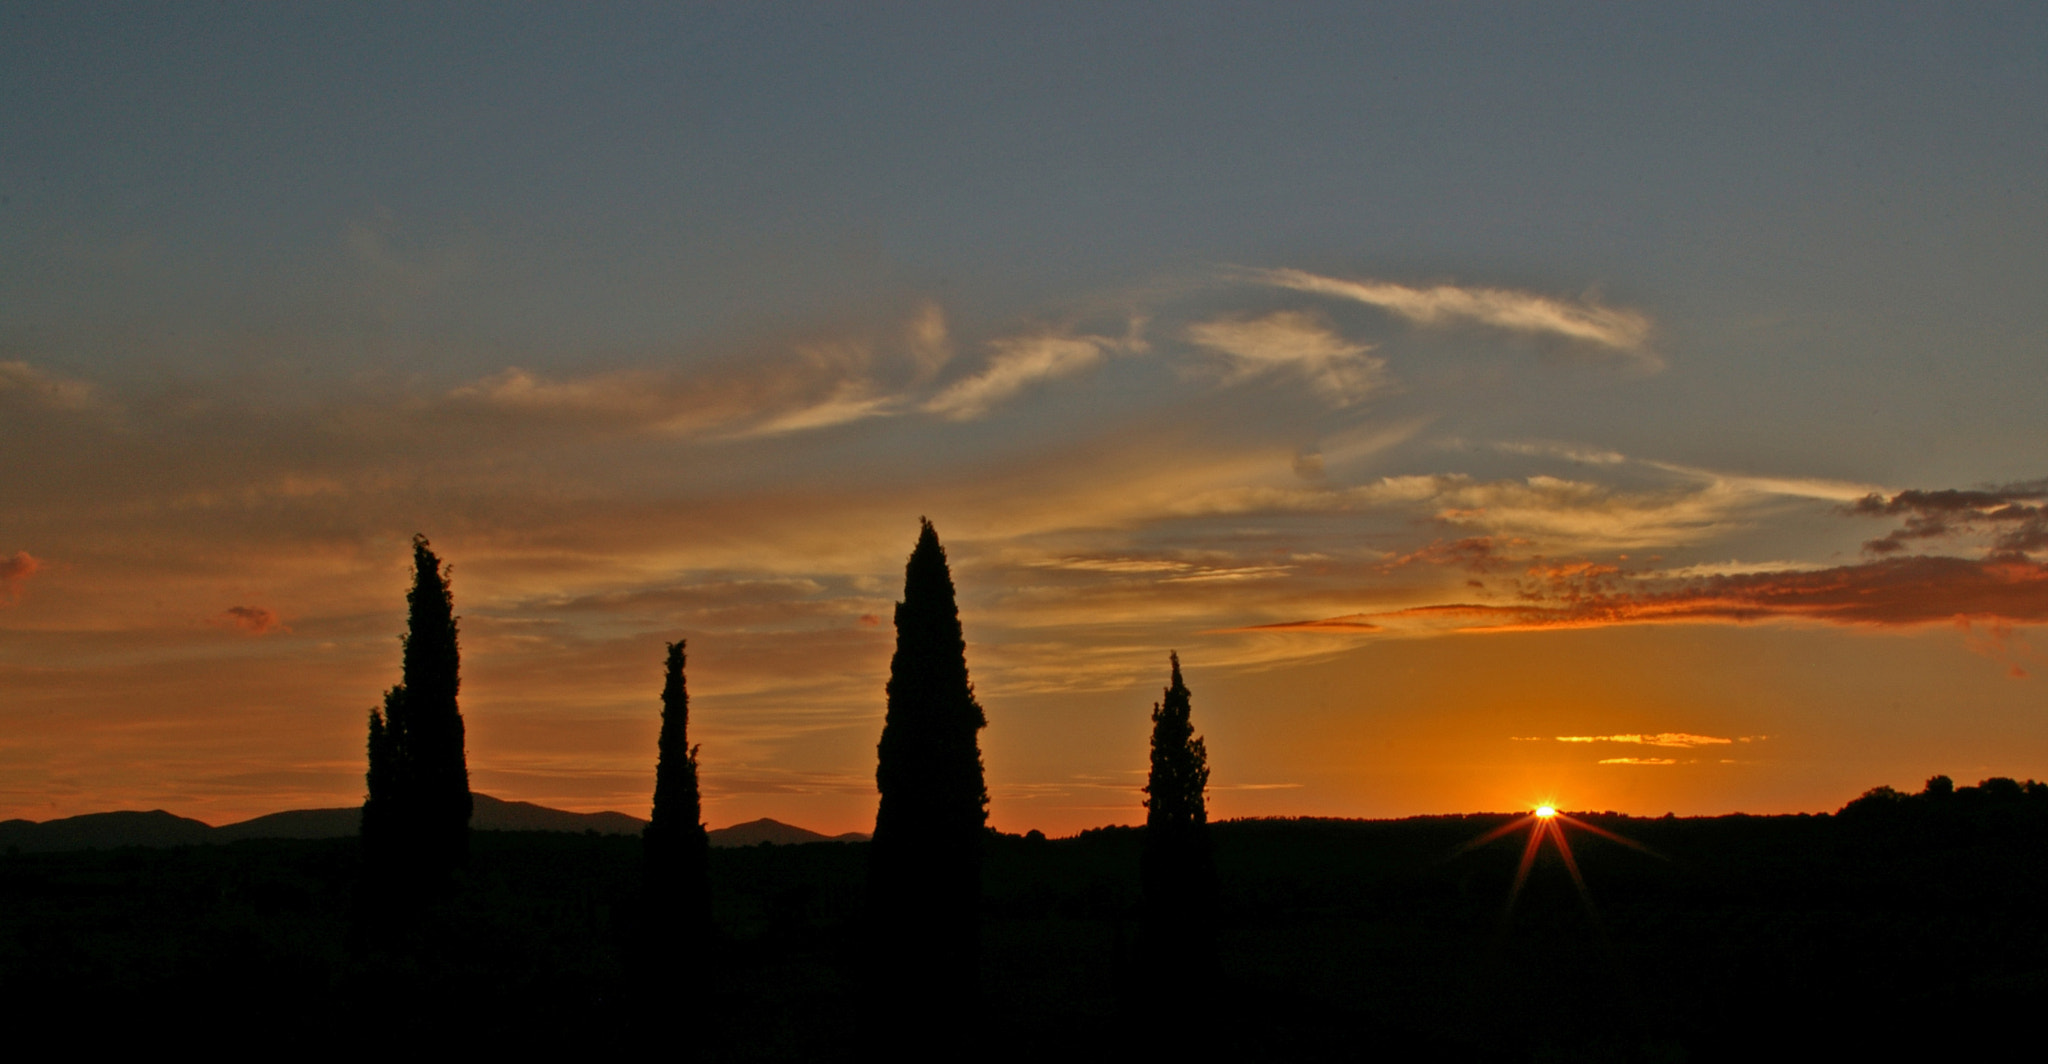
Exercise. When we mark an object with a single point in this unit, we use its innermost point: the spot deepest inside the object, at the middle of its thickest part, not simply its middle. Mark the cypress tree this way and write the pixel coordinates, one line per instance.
(678, 851)
(924, 878)
(1178, 868)
(380, 809)
(417, 812)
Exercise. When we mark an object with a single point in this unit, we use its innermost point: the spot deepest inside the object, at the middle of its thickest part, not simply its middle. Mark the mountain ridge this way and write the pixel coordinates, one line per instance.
(157, 828)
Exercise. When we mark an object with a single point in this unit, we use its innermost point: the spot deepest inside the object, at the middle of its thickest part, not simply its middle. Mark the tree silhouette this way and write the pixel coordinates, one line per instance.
(416, 816)
(1178, 868)
(677, 850)
(382, 821)
(924, 878)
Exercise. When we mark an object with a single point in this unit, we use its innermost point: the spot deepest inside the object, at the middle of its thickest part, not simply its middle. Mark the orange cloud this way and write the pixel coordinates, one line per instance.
(1892, 592)
(1995, 639)
(1354, 623)
(254, 620)
(1474, 554)
(15, 572)
(1682, 740)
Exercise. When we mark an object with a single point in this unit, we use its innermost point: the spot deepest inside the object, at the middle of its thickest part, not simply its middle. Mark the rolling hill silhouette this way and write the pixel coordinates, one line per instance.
(99, 831)
(755, 832)
(158, 828)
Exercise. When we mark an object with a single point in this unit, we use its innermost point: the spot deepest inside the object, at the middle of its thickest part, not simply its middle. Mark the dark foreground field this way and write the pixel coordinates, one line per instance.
(1749, 937)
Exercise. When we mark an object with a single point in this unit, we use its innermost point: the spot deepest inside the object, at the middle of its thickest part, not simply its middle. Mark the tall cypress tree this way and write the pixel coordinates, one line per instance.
(1178, 868)
(924, 877)
(677, 849)
(418, 809)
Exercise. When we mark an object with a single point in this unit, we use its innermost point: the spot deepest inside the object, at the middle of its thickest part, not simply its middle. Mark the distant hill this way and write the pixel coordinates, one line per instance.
(755, 832)
(490, 814)
(157, 828)
(294, 824)
(496, 814)
(95, 831)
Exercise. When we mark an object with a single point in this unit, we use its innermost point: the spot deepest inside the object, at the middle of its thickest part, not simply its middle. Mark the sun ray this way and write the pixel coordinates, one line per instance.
(1564, 850)
(1482, 840)
(1528, 862)
(1611, 836)
(1547, 821)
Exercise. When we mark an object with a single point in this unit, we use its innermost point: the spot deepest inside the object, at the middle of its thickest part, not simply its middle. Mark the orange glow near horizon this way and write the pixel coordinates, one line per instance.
(1436, 524)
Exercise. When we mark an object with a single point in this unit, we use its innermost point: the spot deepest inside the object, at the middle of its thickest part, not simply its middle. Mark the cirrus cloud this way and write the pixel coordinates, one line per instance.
(1293, 342)
(1582, 321)
(1019, 363)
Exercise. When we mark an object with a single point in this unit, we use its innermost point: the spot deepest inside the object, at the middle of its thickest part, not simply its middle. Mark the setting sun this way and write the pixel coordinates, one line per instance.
(1011, 530)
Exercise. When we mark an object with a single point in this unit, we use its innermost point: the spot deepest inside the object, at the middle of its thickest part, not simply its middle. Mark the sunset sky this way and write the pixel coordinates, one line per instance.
(1632, 407)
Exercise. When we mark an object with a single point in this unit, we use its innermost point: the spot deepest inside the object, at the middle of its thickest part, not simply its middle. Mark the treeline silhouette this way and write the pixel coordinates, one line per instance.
(1902, 916)
(1942, 803)
(1819, 936)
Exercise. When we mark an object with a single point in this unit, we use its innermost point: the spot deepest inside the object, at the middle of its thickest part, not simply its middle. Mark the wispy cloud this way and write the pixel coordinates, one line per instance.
(1682, 740)
(1570, 514)
(1570, 452)
(1575, 514)
(2002, 589)
(641, 396)
(1297, 343)
(1998, 640)
(1731, 567)
(1790, 487)
(853, 401)
(24, 383)
(1638, 761)
(1019, 363)
(804, 386)
(1888, 593)
(930, 343)
(1475, 554)
(15, 572)
(811, 388)
(1352, 625)
(1583, 320)
(255, 620)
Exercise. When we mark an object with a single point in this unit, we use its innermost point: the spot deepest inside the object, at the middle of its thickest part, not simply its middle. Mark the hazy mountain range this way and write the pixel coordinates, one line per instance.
(158, 828)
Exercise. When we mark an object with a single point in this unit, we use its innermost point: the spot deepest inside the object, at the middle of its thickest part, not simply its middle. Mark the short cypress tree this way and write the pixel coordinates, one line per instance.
(381, 826)
(924, 878)
(678, 851)
(1178, 868)
(416, 816)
